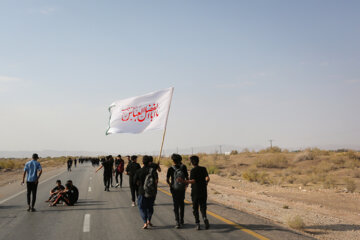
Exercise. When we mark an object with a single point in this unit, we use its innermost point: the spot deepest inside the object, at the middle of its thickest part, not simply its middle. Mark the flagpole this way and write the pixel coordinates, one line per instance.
(163, 138)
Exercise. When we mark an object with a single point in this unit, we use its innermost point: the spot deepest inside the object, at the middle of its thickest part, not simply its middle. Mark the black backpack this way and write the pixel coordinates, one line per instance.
(178, 173)
(150, 184)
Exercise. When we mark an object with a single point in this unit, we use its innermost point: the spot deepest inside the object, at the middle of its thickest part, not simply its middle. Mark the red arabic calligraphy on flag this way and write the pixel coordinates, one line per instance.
(140, 114)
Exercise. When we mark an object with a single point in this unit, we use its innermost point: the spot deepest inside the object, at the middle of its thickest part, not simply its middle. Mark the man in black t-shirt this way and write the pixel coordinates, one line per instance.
(177, 188)
(107, 164)
(130, 170)
(53, 192)
(69, 164)
(199, 179)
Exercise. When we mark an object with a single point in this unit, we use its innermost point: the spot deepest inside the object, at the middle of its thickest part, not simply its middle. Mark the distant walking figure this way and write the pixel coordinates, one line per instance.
(130, 170)
(75, 162)
(199, 179)
(69, 164)
(119, 169)
(32, 168)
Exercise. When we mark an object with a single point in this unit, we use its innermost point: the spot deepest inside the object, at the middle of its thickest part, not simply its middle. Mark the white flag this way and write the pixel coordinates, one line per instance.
(140, 114)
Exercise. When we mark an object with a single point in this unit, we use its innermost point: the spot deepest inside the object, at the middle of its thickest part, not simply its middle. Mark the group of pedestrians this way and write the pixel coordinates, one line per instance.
(143, 183)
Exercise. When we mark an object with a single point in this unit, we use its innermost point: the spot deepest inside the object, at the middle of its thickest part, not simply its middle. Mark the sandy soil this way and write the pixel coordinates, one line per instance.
(327, 214)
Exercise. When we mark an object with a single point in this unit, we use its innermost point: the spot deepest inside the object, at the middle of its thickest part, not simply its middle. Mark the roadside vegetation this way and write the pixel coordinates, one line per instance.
(309, 168)
(8, 164)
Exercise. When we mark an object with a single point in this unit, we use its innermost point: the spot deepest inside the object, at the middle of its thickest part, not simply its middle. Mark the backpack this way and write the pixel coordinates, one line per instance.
(120, 167)
(178, 173)
(150, 184)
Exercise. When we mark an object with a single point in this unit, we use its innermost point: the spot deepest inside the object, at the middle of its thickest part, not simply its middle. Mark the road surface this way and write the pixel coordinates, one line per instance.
(109, 215)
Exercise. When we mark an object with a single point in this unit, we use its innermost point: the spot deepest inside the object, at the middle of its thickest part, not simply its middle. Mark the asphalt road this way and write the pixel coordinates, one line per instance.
(109, 215)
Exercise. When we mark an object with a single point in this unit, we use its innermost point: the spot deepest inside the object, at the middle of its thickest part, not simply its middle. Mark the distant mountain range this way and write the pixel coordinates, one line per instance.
(48, 153)
(167, 152)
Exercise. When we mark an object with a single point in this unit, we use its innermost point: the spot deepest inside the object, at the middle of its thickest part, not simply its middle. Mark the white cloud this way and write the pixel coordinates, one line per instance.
(43, 10)
(9, 79)
(47, 11)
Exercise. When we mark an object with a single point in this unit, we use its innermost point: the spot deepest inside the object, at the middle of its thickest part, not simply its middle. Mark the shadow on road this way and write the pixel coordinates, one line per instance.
(11, 206)
(321, 229)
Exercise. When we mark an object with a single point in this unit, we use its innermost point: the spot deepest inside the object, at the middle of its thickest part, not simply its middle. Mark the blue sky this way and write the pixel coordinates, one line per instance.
(244, 72)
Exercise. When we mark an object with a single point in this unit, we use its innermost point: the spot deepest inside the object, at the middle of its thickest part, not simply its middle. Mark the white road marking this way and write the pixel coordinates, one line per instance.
(89, 189)
(17, 194)
(86, 227)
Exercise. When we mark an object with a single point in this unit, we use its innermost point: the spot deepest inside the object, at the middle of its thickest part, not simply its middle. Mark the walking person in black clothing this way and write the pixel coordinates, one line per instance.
(69, 164)
(75, 161)
(156, 167)
(175, 177)
(119, 169)
(107, 164)
(130, 170)
(111, 176)
(32, 168)
(146, 179)
(199, 178)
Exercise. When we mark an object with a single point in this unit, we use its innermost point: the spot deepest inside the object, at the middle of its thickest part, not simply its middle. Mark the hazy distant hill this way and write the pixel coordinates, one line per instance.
(47, 153)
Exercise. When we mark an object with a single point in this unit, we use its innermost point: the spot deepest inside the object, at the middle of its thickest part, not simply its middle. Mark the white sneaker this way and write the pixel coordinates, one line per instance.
(133, 204)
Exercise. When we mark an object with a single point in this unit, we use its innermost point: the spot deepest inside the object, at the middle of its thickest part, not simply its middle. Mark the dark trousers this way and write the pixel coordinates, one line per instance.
(179, 205)
(133, 189)
(199, 201)
(117, 176)
(146, 208)
(31, 189)
(107, 180)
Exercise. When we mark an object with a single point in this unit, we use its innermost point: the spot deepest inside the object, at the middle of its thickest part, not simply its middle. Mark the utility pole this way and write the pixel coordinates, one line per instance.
(271, 141)
(192, 151)
(220, 149)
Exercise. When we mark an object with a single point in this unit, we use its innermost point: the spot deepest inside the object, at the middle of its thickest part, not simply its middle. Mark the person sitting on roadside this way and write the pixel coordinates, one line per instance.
(54, 192)
(69, 195)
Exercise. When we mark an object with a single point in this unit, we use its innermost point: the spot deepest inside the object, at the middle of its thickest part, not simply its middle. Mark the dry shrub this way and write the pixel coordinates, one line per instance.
(213, 169)
(329, 182)
(356, 173)
(291, 179)
(253, 175)
(12, 163)
(305, 180)
(296, 223)
(351, 163)
(325, 166)
(167, 163)
(352, 155)
(307, 155)
(272, 162)
(271, 150)
(350, 185)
